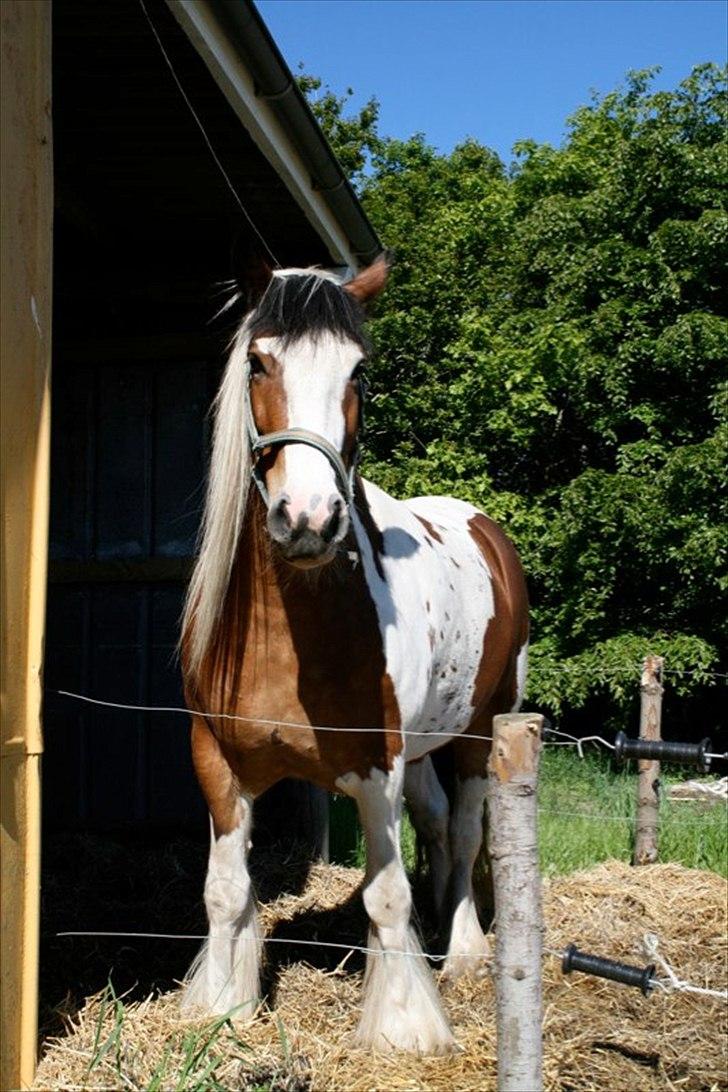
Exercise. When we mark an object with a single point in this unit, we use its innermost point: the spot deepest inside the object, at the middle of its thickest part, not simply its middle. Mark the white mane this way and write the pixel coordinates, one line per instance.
(225, 504)
(227, 490)
(312, 271)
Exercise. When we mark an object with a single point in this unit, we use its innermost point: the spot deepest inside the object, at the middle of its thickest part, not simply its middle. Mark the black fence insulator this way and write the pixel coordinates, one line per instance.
(693, 754)
(640, 977)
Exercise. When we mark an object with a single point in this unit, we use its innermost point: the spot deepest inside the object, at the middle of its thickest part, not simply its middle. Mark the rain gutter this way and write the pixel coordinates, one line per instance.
(278, 97)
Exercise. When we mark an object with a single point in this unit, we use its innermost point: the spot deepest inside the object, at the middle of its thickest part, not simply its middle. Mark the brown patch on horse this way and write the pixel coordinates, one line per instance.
(269, 404)
(351, 407)
(507, 631)
(302, 648)
(496, 683)
(220, 787)
(429, 528)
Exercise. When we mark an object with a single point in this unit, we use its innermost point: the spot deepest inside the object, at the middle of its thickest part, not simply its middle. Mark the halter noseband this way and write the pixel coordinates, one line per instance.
(345, 477)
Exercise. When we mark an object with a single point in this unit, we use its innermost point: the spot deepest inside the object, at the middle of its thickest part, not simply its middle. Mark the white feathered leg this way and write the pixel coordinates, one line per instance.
(226, 973)
(401, 1009)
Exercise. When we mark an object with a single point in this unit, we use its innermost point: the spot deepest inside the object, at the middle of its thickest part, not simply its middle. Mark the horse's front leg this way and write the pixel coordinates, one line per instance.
(226, 973)
(401, 1008)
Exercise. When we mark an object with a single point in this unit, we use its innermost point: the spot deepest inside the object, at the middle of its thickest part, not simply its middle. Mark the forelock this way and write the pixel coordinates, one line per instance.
(301, 303)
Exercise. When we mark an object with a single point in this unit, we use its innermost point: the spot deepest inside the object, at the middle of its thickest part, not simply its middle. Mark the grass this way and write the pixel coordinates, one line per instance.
(586, 815)
(192, 1059)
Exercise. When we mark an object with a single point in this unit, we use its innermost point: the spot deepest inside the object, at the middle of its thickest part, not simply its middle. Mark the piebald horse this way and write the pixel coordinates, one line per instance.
(320, 602)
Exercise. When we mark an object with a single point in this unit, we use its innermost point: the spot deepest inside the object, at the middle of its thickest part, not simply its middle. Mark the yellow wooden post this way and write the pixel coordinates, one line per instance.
(26, 182)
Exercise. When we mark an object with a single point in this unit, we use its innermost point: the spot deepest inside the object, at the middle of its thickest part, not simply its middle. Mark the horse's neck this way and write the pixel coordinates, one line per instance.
(264, 571)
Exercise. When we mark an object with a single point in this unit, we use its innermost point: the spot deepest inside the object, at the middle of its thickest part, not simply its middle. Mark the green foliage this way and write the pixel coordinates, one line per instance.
(587, 813)
(354, 139)
(552, 346)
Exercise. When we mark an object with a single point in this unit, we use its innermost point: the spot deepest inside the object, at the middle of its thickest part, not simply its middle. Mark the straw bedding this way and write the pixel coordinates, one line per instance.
(598, 1035)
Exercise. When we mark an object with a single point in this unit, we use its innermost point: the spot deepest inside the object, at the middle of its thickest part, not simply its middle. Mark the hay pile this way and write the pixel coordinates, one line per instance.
(598, 1035)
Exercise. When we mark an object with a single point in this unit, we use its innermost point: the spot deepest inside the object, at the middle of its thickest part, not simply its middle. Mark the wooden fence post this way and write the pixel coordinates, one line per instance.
(648, 788)
(513, 847)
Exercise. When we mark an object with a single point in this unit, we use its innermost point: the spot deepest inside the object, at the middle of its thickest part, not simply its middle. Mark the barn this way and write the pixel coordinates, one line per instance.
(148, 147)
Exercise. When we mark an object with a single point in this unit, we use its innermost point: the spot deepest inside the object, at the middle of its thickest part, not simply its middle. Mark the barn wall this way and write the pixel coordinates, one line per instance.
(146, 230)
(25, 323)
(128, 456)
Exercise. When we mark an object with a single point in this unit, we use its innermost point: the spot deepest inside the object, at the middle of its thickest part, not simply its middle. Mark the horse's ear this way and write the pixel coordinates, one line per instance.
(370, 282)
(253, 275)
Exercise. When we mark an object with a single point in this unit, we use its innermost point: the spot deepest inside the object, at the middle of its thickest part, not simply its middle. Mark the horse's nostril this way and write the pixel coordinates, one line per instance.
(279, 519)
(336, 525)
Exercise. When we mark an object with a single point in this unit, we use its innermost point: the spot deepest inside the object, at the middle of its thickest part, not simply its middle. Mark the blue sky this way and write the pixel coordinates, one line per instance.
(498, 70)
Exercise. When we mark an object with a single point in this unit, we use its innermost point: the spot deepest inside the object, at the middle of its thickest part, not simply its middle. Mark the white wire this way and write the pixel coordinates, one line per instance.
(205, 137)
(673, 983)
(569, 740)
(260, 940)
(259, 720)
(695, 671)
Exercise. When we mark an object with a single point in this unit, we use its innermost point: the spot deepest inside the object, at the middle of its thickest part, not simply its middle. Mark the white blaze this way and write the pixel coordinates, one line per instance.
(315, 375)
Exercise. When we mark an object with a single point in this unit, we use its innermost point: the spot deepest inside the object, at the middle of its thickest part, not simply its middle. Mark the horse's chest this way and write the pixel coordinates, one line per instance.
(312, 661)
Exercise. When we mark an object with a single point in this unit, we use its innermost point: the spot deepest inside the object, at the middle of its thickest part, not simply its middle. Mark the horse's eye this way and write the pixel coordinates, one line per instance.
(256, 365)
(358, 371)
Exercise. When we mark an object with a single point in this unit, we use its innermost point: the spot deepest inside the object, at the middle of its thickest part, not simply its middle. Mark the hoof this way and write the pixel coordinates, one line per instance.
(475, 963)
(458, 967)
(401, 1009)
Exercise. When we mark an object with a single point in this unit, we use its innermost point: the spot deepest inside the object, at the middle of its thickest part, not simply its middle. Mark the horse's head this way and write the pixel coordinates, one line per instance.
(305, 351)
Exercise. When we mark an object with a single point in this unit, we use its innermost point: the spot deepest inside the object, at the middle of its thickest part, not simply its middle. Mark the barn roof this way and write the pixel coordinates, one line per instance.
(276, 92)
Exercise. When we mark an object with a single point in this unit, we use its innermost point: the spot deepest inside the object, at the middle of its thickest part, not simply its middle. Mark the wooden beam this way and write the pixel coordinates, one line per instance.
(26, 181)
(145, 570)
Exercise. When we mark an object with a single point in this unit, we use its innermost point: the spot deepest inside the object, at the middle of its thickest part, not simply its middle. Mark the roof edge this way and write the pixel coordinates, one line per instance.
(275, 89)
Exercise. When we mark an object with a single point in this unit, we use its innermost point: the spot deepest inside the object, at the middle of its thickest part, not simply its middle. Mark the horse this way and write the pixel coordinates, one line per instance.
(334, 634)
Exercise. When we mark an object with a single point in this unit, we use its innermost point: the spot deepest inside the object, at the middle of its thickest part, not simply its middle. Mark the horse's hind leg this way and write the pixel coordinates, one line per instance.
(401, 1009)
(468, 950)
(226, 973)
(430, 812)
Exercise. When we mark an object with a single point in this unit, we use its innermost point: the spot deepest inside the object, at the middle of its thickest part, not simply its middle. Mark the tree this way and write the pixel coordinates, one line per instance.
(354, 139)
(552, 347)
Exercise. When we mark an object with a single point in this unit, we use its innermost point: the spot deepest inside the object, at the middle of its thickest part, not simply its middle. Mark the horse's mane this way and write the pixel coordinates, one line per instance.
(297, 302)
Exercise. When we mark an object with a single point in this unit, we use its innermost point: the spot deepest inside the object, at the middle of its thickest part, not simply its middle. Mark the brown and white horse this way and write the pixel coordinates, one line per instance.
(319, 600)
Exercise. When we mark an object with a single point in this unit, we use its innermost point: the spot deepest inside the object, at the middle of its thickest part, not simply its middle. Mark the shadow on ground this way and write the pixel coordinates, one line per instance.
(132, 884)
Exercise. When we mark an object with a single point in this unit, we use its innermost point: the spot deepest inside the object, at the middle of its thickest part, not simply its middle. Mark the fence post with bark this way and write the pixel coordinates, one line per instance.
(648, 788)
(513, 848)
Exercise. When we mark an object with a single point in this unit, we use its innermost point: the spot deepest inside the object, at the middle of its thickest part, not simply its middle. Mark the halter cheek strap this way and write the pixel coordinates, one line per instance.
(345, 477)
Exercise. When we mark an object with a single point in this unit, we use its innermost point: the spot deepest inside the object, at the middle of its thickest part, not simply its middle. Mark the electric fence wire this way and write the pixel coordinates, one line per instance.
(569, 740)
(671, 984)
(205, 136)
